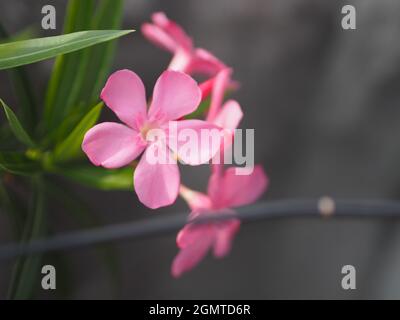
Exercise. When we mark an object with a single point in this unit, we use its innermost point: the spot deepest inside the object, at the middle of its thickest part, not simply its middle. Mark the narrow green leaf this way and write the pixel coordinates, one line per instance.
(69, 69)
(18, 163)
(108, 16)
(20, 53)
(71, 146)
(26, 270)
(77, 77)
(83, 215)
(63, 129)
(25, 34)
(16, 126)
(100, 178)
(78, 16)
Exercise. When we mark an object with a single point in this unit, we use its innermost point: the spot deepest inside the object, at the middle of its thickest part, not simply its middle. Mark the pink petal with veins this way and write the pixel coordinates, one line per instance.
(112, 145)
(224, 237)
(241, 190)
(195, 200)
(195, 141)
(124, 94)
(157, 184)
(191, 255)
(175, 95)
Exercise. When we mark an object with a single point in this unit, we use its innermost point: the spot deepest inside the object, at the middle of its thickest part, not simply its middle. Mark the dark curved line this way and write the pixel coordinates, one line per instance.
(357, 209)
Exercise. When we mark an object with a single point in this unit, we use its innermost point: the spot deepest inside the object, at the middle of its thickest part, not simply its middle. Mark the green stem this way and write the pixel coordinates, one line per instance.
(26, 269)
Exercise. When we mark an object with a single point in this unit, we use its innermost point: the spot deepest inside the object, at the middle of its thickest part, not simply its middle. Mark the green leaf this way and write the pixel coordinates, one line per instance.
(16, 126)
(25, 34)
(81, 212)
(108, 16)
(71, 146)
(18, 163)
(63, 129)
(26, 270)
(68, 70)
(77, 78)
(24, 52)
(22, 85)
(100, 178)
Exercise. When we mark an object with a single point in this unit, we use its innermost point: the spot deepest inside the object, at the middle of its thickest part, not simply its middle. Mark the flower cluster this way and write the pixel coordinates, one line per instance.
(147, 132)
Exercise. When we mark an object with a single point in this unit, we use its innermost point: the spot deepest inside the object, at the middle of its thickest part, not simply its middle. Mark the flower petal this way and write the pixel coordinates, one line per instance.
(214, 190)
(180, 61)
(194, 141)
(224, 237)
(230, 115)
(159, 37)
(206, 88)
(228, 118)
(240, 190)
(124, 94)
(222, 80)
(190, 256)
(157, 184)
(175, 94)
(174, 30)
(112, 145)
(192, 233)
(205, 63)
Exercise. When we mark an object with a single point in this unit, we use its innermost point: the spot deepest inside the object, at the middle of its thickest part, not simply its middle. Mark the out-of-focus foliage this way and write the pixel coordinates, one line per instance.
(37, 146)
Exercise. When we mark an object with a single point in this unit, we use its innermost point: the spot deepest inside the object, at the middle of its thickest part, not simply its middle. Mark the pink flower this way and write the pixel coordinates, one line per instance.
(170, 36)
(225, 191)
(228, 114)
(114, 145)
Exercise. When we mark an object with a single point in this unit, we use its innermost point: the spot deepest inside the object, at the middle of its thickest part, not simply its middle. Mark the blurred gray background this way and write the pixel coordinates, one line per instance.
(325, 105)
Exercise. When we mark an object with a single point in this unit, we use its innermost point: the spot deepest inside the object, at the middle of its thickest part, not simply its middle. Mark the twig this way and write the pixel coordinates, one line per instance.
(324, 207)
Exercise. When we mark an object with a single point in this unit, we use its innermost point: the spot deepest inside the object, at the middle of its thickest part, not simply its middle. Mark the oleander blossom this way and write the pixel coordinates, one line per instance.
(171, 37)
(115, 145)
(226, 190)
(226, 115)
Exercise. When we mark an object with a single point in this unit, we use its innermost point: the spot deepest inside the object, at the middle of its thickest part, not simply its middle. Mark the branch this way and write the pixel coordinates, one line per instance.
(323, 208)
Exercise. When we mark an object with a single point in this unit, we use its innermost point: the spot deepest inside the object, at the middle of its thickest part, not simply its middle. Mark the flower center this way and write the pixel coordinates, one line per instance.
(149, 132)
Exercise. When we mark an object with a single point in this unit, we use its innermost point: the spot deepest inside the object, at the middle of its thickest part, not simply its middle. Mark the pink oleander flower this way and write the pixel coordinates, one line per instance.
(226, 190)
(227, 114)
(170, 36)
(115, 145)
